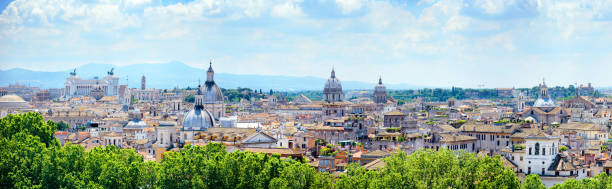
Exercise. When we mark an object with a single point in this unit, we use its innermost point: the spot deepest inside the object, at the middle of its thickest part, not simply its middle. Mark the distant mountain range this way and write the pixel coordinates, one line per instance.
(173, 74)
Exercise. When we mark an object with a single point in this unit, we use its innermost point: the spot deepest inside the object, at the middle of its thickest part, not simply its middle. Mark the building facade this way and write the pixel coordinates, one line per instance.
(75, 86)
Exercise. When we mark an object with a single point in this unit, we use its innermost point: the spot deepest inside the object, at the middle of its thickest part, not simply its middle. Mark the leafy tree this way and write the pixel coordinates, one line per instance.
(30, 124)
(533, 181)
(433, 169)
(31, 158)
(62, 126)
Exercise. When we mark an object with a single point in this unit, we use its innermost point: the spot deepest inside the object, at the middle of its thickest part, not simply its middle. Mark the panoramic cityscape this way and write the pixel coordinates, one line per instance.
(305, 94)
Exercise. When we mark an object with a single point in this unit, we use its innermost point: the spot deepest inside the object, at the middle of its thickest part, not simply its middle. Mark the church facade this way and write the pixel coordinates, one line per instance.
(545, 110)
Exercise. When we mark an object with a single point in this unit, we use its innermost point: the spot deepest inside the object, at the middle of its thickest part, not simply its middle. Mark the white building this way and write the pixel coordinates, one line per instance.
(167, 134)
(541, 156)
(75, 86)
(230, 121)
(146, 95)
(540, 151)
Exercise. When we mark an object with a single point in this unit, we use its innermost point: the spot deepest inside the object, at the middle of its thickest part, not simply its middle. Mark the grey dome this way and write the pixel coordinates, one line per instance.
(212, 93)
(380, 87)
(380, 92)
(333, 84)
(198, 119)
(13, 102)
(333, 89)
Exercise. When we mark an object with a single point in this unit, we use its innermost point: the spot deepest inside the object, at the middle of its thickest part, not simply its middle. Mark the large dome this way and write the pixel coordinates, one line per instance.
(11, 98)
(333, 84)
(333, 89)
(380, 92)
(212, 93)
(380, 87)
(13, 102)
(198, 119)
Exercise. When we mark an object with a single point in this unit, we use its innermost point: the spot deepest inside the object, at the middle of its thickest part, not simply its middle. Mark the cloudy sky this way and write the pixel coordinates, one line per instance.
(496, 43)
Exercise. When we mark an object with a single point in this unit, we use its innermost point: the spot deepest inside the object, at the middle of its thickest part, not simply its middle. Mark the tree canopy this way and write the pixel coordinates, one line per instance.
(31, 158)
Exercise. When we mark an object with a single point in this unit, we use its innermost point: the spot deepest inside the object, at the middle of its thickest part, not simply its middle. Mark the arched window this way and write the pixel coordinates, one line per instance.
(537, 149)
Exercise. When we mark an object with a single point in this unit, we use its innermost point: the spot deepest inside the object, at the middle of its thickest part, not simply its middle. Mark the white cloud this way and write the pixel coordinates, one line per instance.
(287, 9)
(267, 33)
(457, 23)
(136, 3)
(349, 6)
(493, 6)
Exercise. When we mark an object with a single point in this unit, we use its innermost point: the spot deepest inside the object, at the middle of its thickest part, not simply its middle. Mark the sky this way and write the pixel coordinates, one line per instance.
(476, 43)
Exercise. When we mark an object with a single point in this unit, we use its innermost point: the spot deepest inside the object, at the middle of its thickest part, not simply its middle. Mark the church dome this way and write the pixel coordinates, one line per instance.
(136, 124)
(333, 83)
(380, 87)
(212, 93)
(540, 102)
(11, 98)
(333, 89)
(380, 92)
(199, 118)
(544, 100)
(13, 102)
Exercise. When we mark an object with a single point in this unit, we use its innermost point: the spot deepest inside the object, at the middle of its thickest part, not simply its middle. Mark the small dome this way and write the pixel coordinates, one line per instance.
(11, 98)
(198, 119)
(136, 124)
(540, 102)
(167, 124)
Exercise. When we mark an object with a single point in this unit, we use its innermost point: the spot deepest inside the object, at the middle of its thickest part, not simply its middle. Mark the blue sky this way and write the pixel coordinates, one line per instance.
(497, 43)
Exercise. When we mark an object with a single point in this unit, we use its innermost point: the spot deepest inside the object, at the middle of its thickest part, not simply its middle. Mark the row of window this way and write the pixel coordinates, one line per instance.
(552, 150)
